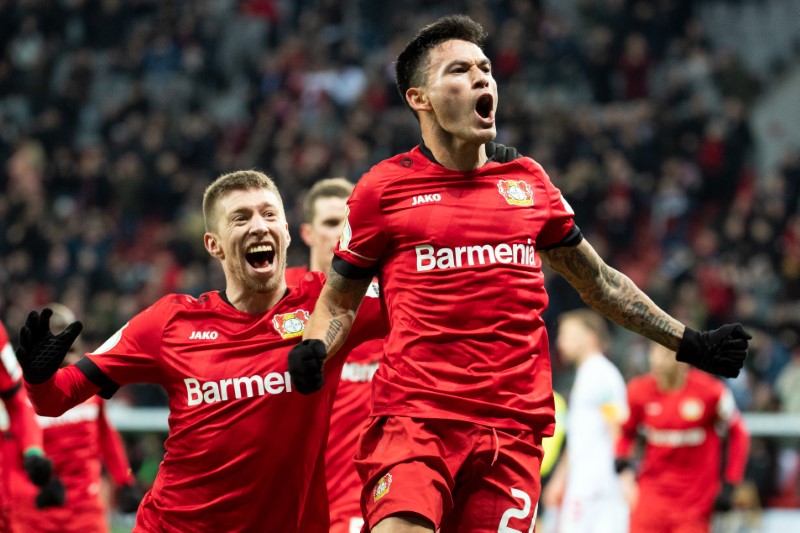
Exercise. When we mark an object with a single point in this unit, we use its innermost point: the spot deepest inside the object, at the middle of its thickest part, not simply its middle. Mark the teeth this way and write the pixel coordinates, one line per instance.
(259, 248)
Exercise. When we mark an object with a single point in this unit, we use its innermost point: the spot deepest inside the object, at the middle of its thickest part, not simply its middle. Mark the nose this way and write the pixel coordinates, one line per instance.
(258, 226)
(480, 78)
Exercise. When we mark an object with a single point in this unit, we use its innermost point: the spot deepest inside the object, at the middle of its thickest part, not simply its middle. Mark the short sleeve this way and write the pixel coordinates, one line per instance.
(562, 218)
(132, 354)
(364, 234)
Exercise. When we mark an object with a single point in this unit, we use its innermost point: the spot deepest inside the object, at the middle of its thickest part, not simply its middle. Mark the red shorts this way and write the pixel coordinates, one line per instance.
(649, 519)
(461, 476)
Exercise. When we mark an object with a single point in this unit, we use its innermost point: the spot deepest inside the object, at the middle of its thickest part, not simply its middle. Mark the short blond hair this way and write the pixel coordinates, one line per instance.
(327, 188)
(239, 180)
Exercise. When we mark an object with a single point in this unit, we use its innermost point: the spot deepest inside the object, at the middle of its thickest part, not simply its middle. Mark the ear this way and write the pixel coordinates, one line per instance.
(417, 99)
(288, 234)
(305, 233)
(213, 246)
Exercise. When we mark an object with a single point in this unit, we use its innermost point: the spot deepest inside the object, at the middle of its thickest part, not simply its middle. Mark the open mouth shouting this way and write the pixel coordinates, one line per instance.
(260, 256)
(484, 107)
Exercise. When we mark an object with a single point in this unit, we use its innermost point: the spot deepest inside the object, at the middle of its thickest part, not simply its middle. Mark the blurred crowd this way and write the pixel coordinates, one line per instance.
(116, 114)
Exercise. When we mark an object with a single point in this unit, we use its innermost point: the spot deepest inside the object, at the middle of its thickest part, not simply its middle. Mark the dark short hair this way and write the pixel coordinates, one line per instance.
(327, 188)
(240, 180)
(413, 60)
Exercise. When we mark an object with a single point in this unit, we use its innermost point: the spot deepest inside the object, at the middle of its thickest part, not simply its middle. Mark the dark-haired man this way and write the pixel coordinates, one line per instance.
(457, 236)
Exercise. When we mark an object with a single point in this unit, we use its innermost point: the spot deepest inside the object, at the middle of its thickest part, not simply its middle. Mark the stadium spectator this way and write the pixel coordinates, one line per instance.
(244, 450)
(679, 482)
(324, 209)
(463, 395)
(80, 442)
(585, 485)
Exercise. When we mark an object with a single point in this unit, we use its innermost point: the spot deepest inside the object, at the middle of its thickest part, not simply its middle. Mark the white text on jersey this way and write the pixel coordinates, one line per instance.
(429, 258)
(675, 438)
(235, 388)
(359, 372)
(204, 335)
(426, 198)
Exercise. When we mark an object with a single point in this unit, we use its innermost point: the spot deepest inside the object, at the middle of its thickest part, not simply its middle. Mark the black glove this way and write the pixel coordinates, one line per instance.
(305, 365)
(53, 494)
(38, 467)
(724, 501)
(128, 498)
(40, 352)
(720, 351)
(621, 464)
(501, 153)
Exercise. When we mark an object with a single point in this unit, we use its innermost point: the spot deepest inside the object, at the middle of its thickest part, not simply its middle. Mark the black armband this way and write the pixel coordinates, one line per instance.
(573, 238)
(351, 271)
(93, 373)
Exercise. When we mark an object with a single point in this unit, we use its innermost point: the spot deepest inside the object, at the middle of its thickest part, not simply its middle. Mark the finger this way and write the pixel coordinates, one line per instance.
(25, 336)
(31, 322)
(71, 332)
(44, 322)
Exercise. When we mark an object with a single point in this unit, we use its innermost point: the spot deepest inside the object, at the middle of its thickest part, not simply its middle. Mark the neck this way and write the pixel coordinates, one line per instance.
(318, 264)
(671, 381)
(255, 302)
(582, 358)
(454, 153)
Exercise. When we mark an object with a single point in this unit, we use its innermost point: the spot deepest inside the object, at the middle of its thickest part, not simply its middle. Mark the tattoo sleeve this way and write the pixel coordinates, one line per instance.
(613, 294)
(336, 310)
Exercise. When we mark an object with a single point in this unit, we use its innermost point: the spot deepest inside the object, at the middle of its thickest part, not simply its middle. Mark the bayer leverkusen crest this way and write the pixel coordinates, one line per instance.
(515, 192)
(291, 324)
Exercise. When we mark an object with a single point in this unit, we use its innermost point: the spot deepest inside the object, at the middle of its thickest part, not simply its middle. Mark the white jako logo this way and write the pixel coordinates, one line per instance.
(204, 335)
(425, 198)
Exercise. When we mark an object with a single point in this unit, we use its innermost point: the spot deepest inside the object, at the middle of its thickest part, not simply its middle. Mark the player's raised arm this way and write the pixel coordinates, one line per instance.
(615, 296)
(326, 330)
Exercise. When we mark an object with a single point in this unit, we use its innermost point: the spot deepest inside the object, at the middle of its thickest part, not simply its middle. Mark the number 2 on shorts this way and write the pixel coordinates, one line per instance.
(518, 513)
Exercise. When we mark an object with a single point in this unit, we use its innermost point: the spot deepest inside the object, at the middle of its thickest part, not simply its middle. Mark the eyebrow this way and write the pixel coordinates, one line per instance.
(466, 62)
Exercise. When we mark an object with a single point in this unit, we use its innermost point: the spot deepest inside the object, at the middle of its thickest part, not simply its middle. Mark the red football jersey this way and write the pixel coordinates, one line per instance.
(295, 274)
(463, 286)
(680, 468)
(10, 371)
(79, 442)
(245, 451)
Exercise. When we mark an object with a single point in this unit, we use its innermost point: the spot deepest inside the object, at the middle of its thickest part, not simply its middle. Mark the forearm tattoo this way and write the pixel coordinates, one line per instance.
(343, 297)
(613, 294)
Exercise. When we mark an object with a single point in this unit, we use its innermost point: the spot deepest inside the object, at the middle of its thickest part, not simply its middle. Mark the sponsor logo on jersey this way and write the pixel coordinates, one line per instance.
(675, 438)
(444, 258)
(86, 412)
(515, 192)
(382, 487)
(291, 324)
(426, 199)
(203, 335)
(359, 372)
(691, 409)
(235, 388)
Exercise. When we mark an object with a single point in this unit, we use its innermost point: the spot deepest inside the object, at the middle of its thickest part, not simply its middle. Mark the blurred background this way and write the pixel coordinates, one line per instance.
(671, 126)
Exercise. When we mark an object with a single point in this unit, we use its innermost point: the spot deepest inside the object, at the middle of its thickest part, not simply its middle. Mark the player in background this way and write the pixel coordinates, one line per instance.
(245, 451)
(80, 442)
(681, 413)
(324, 208)
(27, 435)
(457, 236)
(585, 485)
(552, 448)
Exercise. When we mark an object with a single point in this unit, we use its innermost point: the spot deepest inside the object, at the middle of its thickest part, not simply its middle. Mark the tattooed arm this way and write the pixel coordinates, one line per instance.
(336, 310)
(613, 294)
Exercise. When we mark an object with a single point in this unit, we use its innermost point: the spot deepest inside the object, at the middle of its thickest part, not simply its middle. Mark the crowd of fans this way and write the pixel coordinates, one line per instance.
(116, 114)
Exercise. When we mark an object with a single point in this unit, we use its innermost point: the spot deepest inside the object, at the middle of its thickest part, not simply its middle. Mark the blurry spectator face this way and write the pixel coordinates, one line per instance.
(460, 94)
(322, 234)
(574, 339)
(250, 238)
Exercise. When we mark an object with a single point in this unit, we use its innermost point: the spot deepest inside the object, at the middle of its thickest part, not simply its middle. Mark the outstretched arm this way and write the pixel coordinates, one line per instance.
(613, 294)
(721, 351)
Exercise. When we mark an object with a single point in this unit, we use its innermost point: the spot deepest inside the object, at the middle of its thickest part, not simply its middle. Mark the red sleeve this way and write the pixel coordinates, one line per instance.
(629, 428)
(364, 234)
(66, 389)
(10, 371)
(22, 421)
(561, 220)
(113, 451)
(737, 451)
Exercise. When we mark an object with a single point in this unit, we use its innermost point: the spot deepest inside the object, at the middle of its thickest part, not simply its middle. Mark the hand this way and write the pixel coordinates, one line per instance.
(721, 351)
(128, 498)
(40, 353)
(502, 153)
(38, 467)
(53, 494)
(305, 365)
(724, 501)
